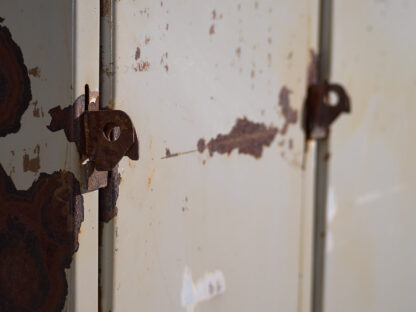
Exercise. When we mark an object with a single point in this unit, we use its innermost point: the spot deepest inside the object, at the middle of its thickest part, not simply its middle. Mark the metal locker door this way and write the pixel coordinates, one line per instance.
(215, 209)
(49, 51)
(371, 248)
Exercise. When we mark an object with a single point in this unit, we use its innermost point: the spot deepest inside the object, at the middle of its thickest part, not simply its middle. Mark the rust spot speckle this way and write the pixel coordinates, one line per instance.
(212, 29)
(238, 51)
(246, 136)
(32, 164)
(214, 14)
(38, 235)
(137, 55)
(290, 114)
(35, 72)
(15, 92)
(146, 40)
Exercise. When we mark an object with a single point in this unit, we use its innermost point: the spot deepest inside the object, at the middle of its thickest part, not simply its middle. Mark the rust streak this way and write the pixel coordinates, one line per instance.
(246, 136)
(168, 153)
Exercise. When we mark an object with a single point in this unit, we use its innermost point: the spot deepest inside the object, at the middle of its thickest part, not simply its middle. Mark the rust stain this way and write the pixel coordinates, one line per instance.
(108, 196)
(36, 111)
(290, 114)
(32, 164)
(253, 73)
(167, 27)
(142, 66)
(313, 68)
(105, 7)
(145, 11)
(15, 91)
(146, 40)
(35, 72)
(212, 29)
(39, 229)
(137, 55)
(238, 51)
(214, 14)
(150, 178)
(246, 136)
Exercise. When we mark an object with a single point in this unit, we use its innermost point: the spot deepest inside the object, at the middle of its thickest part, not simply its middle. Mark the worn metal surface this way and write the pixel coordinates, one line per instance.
(235, 74)
(41, 208)
(371, 242)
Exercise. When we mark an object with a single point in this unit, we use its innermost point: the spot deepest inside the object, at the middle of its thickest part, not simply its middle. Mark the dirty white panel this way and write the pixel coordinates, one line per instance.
(185, 71)
(59, 45)
(372, 238)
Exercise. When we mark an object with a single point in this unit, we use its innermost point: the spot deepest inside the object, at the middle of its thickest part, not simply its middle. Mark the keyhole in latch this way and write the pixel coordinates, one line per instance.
(333, 98)
(111, 132)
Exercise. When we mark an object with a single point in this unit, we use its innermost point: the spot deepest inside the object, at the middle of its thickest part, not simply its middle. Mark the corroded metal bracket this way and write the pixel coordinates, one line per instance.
(320, 112)
(109, 135)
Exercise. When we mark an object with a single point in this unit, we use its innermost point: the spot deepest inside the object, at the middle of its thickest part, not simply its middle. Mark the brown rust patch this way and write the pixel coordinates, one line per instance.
(38, 236)
(246, 136)
(15, 92)
(137, 55)
(35, 72)
(108, 196)
(290, 114)
(212, 29)
(32, 164)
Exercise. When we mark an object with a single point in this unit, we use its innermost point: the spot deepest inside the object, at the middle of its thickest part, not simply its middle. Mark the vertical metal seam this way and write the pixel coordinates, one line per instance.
(321, 166)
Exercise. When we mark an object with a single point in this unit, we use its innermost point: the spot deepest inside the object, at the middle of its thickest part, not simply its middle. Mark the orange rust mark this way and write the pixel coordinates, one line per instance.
(35, 72)
(238, 51)
(32, 164)
(150, 178)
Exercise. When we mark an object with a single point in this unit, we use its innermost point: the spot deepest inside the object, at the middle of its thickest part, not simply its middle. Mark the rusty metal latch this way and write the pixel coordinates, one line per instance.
(320, 113)
(109, 135)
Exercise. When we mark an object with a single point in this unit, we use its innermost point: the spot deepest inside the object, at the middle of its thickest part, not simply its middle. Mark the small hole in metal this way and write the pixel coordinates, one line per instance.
(333, 98)
(111, 132)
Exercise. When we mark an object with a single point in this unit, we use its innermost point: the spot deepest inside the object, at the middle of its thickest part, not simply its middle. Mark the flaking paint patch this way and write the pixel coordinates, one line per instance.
(209, 286)
(15, 91)
(39, 230)
(246, 136)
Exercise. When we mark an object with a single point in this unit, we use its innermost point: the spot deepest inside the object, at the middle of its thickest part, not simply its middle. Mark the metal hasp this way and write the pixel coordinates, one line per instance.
(109, 135)
(320, 112)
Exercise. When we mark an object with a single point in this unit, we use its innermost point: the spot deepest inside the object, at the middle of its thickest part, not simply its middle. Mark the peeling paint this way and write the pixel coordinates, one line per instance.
(209, 286)
(15, 91)
(246, 136)
(38, 238)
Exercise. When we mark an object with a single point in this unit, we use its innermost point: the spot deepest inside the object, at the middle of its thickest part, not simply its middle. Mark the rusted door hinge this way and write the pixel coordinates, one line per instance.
(320, 112)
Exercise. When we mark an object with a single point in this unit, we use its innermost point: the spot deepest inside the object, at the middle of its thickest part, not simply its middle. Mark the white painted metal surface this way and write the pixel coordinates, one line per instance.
(59, 42)
(186, 70)
(372, 242)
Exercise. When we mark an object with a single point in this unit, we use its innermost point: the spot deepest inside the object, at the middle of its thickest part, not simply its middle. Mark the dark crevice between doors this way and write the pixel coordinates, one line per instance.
(321, 165)
(107, 196)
